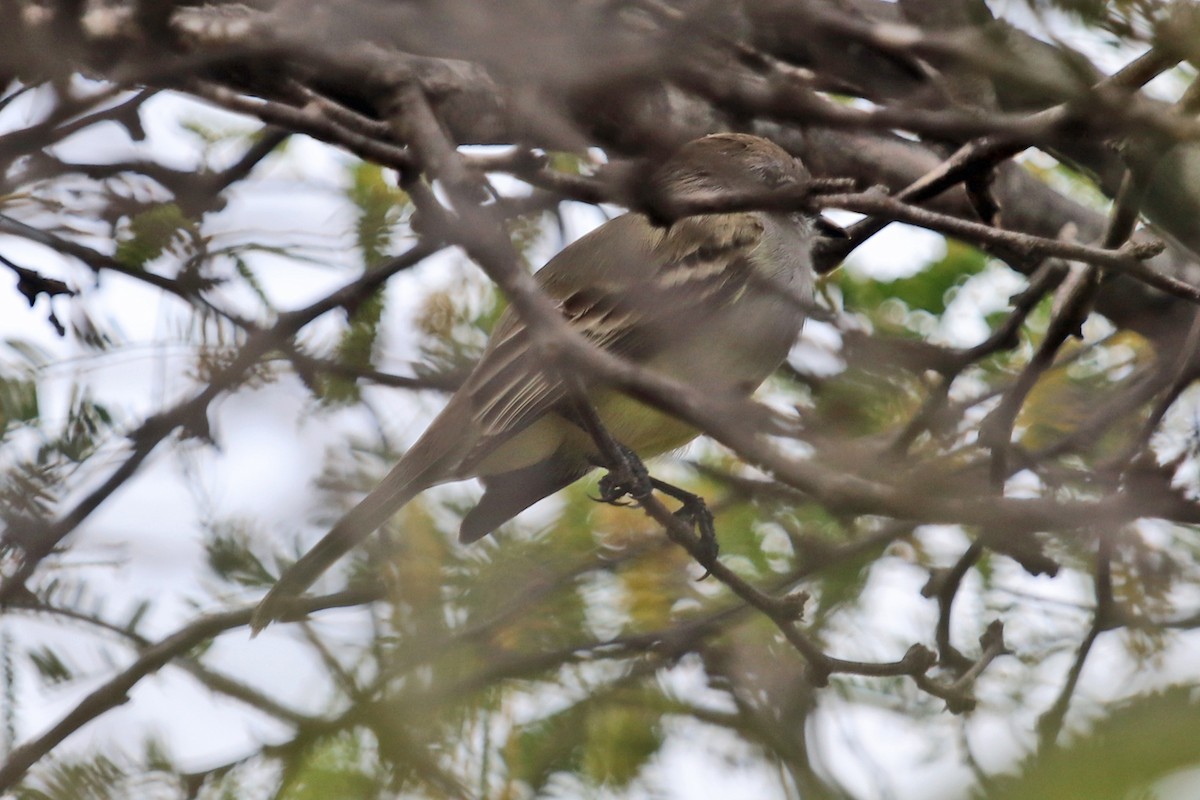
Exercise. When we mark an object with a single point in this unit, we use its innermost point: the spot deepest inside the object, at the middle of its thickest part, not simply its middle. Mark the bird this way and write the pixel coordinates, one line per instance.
(715, 300)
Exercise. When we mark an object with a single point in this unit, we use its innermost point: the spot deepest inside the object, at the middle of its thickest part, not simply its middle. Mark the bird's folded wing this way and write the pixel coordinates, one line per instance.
(621, 286)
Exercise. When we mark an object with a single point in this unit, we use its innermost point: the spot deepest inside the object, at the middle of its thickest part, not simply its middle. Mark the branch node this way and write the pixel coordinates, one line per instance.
(791, 605)
(1144, 250)
(918, 659)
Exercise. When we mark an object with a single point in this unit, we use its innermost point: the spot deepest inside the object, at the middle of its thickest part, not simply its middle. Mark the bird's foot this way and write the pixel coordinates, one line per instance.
(630, 479)
(694, 511)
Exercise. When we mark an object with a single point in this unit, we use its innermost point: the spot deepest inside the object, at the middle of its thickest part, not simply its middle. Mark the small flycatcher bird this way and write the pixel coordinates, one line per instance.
(713, 300)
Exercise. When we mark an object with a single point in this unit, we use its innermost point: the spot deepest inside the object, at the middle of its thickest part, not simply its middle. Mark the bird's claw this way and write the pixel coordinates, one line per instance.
(632, 482)
(695, 513)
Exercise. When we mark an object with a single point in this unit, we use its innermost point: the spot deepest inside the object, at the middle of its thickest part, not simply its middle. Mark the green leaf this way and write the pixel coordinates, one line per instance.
(380, 207)
(28, 491)
(151, 233)
(604, 741)
(50, 666)
(251, 278)
(87, 423)
(230, 557)
(620, 740)
(356, 349)
(1121, 757)
(97, 778)
(18, 402)
(570, 163)
(334, 766)
(550, 745)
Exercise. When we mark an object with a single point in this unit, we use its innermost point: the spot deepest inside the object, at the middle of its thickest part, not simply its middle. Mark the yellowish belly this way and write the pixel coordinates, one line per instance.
(644, 429)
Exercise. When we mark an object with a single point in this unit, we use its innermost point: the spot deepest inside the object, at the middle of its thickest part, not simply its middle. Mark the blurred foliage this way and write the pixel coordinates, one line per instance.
(470, 634)
(152, 232)
(503, 667)
(379, 209)
(569, 163)
(1062, 177)
(861, 403)
(563, 651)
(607, 739)
(1119, 756)
(453, 334)
(150, 775)
(18, 401)
(356, 348)
(46, 449)
(332, 767)
(50, 666)
(898, 306)
(229, 548)
(97, 778)
(1123, 20)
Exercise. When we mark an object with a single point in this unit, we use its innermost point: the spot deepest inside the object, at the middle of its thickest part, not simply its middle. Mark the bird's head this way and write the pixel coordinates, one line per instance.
(729, 169)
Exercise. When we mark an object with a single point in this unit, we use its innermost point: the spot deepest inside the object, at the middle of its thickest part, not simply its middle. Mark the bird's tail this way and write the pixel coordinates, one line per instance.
(421, 467)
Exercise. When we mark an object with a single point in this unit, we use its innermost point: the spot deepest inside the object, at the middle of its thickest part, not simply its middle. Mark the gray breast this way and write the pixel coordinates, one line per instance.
(740, 345)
